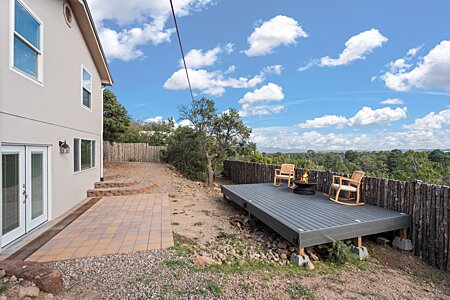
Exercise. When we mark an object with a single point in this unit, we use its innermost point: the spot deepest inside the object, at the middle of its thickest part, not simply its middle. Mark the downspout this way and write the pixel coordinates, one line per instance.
(101, 139)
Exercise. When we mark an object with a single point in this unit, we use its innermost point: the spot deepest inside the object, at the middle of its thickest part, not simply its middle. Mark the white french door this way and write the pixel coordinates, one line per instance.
(24, 190)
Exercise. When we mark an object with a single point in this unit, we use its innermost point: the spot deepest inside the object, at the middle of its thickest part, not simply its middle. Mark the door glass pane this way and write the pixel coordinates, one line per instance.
(37, 185)
(85, 154)
(10, 192)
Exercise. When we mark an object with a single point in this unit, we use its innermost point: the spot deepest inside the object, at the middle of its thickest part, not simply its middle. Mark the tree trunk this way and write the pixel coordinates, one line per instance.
(210, 170)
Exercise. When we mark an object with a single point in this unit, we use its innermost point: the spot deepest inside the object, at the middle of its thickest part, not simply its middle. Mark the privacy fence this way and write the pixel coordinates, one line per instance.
(427, 203)
(140, 152)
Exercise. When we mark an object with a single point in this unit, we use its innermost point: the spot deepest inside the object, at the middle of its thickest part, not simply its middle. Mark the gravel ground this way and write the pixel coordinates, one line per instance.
(201, 222)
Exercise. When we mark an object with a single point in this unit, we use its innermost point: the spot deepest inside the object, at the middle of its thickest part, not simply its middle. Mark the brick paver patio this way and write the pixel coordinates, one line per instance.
(117, 224)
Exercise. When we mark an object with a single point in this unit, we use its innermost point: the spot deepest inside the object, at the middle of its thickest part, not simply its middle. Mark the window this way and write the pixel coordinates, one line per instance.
(83, 154)
(27, 57)
(86, 79)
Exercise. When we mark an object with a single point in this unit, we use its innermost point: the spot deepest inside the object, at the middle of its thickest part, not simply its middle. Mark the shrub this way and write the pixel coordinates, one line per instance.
(340, 253)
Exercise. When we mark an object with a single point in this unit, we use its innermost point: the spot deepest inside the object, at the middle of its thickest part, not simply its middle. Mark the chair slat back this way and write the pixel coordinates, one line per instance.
(358, 176)
(287, 168)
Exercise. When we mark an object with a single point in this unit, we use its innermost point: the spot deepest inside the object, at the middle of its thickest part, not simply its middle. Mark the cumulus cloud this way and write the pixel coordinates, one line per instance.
(431, 71)
(140, 22)
(365, 116)
(280, 30)
(197, 58)
(431, 121)
(248, 110)
(392, 101)
(214, 83)
(357, 47)
(267, 93)
(210, 83)
(157, 119)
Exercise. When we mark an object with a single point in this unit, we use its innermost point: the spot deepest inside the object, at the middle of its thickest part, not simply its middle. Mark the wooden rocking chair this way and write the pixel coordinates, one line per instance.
(349, 186)
(286, 173)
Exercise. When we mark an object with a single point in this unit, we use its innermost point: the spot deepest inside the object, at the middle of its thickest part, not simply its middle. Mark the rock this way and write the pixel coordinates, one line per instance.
(47, 296)
(221, 256)
(282, 245)
(2, 273)
(292, 249)
(13, 279)
(283, 256)
(309, 265)
(313, 256)
(3, 297)
(203, 261)
(30, 291)
(46, 279)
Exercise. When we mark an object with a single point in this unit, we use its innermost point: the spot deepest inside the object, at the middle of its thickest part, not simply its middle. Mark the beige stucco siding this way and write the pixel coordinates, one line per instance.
(33, 114)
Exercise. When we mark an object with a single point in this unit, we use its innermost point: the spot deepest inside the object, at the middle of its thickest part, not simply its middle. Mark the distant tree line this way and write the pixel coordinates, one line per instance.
(430, 167)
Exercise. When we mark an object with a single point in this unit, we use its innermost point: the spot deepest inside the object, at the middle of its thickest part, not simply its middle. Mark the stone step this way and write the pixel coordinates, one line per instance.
(112, 184)
(111, 176)
(122, 191)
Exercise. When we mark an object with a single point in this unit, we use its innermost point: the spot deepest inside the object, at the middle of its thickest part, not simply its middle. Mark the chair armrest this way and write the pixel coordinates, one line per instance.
(277, 171)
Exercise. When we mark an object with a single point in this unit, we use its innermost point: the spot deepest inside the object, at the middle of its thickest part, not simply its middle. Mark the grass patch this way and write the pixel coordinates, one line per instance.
(183, 245)
(3, 288)
(148, 281)
(298, 291)
(214, 288)
(207, 212)
(175, 263)
(224, 235)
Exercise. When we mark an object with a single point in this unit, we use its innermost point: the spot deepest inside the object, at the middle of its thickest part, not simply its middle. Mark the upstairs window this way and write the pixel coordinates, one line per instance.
(27, 56)
(86, 88)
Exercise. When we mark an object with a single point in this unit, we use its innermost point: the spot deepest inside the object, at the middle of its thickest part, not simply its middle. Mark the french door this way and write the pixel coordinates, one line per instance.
(24, 190)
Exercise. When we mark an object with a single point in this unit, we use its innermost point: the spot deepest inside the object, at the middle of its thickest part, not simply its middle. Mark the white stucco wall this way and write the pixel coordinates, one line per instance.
(33, 114)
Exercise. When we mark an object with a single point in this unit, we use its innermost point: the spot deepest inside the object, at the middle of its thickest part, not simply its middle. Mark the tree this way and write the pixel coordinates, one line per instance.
(220, 135)
(115, 117)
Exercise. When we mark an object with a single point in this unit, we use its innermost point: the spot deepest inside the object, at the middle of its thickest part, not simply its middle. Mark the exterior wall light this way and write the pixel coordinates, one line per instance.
(64, 148)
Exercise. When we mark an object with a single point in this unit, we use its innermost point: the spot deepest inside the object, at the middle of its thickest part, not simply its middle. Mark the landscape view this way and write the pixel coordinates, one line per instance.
(210, 149)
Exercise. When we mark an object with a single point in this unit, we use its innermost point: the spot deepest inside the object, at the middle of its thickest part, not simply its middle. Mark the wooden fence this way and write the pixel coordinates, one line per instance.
(140, 152)
(428, 204)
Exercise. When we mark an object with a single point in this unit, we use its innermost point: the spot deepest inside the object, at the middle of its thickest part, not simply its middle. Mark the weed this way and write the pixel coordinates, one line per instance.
(298, 291)
(148, 281)
(175, 263)
(175, 223)
(202, 292)
(340, 253)
(198, 223)
(3, 288)
(207, 212)
(224, 235)
(214, 288)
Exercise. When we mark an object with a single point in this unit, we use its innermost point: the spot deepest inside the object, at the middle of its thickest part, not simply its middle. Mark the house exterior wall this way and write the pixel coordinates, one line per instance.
(34, 114)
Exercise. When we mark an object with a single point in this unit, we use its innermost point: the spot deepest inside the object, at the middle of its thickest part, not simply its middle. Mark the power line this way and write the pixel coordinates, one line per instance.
(181, 48)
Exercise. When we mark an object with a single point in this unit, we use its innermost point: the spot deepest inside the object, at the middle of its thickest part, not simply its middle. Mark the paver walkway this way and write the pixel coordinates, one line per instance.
(113, 225)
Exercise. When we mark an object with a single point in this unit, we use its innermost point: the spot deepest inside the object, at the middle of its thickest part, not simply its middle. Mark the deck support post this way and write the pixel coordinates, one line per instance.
(359, 249)
(300, 258)
(402, 242)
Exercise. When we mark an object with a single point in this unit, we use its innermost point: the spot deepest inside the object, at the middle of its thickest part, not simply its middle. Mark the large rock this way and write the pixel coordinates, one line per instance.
(30, 291)
(47, 279)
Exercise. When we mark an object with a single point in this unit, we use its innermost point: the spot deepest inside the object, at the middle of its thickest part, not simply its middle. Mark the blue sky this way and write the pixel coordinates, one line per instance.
(322, 75)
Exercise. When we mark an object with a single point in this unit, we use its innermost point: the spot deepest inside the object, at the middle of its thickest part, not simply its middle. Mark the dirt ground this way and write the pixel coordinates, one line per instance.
(201, 214)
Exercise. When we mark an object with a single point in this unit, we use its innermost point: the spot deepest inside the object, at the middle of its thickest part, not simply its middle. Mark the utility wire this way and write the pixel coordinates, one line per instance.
(181, 48)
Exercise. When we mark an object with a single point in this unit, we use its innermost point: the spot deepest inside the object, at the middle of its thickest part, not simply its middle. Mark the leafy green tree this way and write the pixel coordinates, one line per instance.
(115, 117)
(220, 135)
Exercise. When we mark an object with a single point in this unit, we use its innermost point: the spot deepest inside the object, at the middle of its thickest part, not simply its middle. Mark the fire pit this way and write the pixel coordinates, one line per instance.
(304, 187)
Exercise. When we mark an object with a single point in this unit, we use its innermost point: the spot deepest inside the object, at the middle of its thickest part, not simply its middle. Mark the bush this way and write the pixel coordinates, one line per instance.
(340, 253)
(184, 153)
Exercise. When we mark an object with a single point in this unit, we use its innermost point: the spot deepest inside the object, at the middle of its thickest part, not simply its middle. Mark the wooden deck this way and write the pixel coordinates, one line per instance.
(312, 220)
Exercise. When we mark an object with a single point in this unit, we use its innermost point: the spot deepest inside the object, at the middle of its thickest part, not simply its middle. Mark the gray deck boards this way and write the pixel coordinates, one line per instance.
(312, 220)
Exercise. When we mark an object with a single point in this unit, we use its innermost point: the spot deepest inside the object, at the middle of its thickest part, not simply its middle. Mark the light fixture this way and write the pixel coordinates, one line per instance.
(64, 148)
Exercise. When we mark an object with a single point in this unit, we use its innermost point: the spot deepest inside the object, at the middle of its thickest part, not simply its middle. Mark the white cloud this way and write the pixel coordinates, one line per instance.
(280, 30)
(157, 119)
(274, 69)
(267, 93)
(210, 83)
(290, 139)
(141, 22)
(248, 110)
(432, 71)
(431, 121)
(365, 116)
(357, 47)
(325, 121)
(183, 123)
(230, 69)
(196, 58)
(392, 101)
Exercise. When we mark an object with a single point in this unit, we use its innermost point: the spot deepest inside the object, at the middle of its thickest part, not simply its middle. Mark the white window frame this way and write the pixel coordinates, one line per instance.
(12, 33)
(83, 68)
(93, 155)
